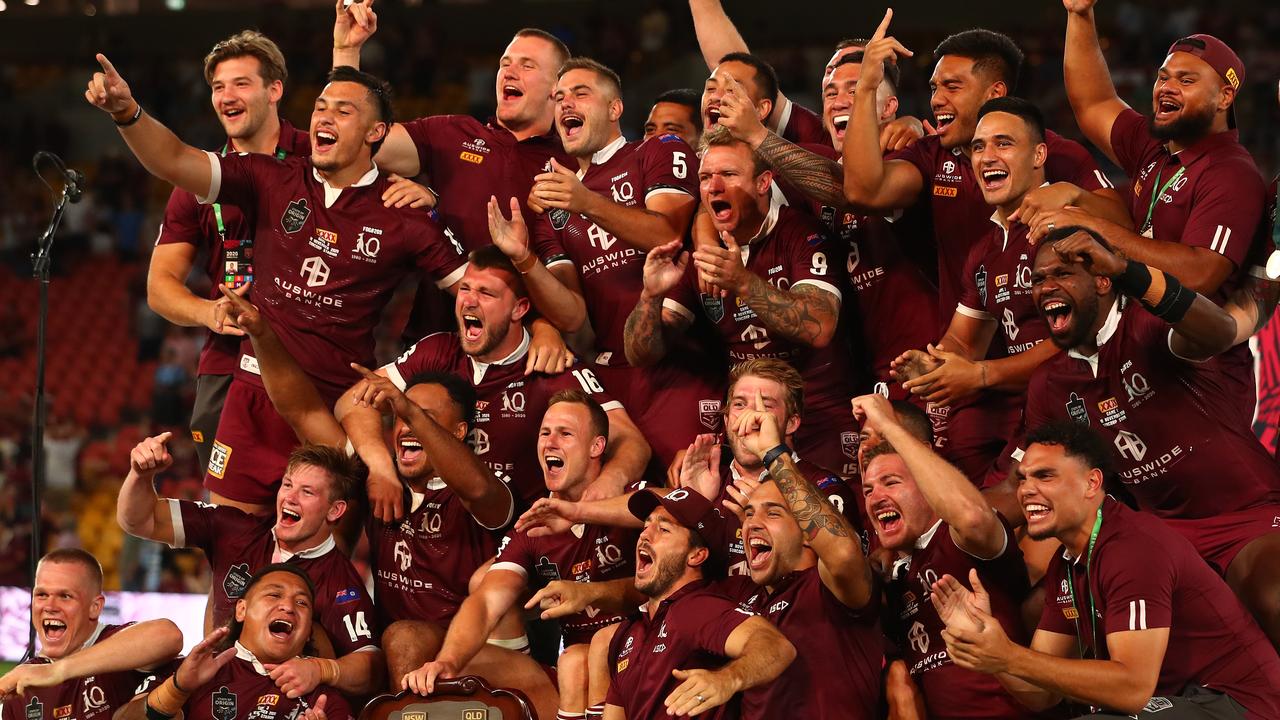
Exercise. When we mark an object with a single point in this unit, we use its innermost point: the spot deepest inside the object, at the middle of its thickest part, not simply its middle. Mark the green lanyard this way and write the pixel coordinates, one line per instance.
(1093, 613)
(1273, 262)
(236, 246)
(1155, 196)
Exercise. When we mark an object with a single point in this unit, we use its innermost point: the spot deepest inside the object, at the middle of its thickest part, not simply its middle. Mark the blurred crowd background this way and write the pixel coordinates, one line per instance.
(118, 372)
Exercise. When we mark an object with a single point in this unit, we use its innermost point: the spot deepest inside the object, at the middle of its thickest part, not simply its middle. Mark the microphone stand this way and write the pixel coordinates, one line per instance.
(40, 264)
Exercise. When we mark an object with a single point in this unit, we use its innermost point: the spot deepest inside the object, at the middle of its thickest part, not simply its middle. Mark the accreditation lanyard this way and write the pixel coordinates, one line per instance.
(1273, 262)
(1093, 614)
(1158, 192)
(237, 253)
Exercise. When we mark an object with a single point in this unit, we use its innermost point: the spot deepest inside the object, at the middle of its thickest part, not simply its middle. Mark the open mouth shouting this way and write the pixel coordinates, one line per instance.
(1057, 314)
(511, 93)
(1166, 108)
(325, 140)
(571, 124)
(289, 517)
(233, 113)
(713, 115)
(54, 629)
(1036, 512)
(759, 552)
(888, 519)
(943, 120)
(553, 464)
(410, 450)
(645, 562)
(280, 629)
(472, 327)
(840, 123)
(721, 210)
(993, 179)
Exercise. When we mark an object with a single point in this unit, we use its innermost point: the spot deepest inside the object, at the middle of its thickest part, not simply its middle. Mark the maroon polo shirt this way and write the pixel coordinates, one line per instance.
(95, 697)
(687, 631)
(187, 221)
(327, 261)
(238, 544)
(422, 565)
(951, 692)
(467, 161)
(1181, 450)
(1213, 641)
(586, 553)
(509, 404)
(1217, 204)
(959, 212)
(839, 650)
(242, 690)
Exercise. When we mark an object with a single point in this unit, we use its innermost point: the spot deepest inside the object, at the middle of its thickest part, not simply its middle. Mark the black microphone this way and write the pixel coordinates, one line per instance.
(72, 180)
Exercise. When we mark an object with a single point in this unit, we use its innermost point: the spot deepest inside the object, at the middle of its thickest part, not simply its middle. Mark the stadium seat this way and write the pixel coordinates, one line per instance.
(465, 698)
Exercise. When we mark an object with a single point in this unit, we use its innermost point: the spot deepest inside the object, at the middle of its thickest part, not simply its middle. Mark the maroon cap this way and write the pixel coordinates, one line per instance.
(691, 510)
(1218, 54)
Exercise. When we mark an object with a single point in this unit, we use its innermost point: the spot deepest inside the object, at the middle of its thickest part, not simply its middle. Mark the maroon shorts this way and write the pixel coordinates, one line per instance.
(1220, 538)
(250, 448)
(669, 404)
(828, 438)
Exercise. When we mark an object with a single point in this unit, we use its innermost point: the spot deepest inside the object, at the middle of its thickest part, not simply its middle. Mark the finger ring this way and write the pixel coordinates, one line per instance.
(1050, 227)
(700, 698)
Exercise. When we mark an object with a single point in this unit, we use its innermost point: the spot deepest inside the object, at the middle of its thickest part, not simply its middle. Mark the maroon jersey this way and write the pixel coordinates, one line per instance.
(327, 261)
(221, 235)
(688, 630)
(468, 161)
(237, 544)
(839, 650)
(423, 564)
(914, 626)
(791, 250)
(586, 553)
(1211, 195)
(1124, 586)
(837, 491)
(1181, 449)
(242, 690)
(800, 125)
(509, 404)
(959, 211)
(996, 285)
(95, 697)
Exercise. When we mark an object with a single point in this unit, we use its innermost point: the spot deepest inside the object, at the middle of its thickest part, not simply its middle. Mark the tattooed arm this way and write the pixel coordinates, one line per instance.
(820, 179)
(805, 313)
(841, 564)
(644, 343)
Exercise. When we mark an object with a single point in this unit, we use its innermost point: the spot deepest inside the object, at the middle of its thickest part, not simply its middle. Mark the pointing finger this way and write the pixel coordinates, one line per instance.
(107, 67)
(884, 26)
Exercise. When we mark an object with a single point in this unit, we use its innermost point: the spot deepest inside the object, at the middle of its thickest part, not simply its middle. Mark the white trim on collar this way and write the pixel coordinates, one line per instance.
(1104, 334)
(923, 541)
(331, 193)
(282, 555)
(478, 368)
(606, 153)
(245, 654)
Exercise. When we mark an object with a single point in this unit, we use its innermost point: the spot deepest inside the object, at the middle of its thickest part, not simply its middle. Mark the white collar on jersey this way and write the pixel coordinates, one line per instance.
(416, 498)
(995, 218)
(283, 555)
(478, 368)
(606, 153)
(243, 653)
(923, 541)
(332, 193)
(93, 639)
(1104, 334)
(776, 201)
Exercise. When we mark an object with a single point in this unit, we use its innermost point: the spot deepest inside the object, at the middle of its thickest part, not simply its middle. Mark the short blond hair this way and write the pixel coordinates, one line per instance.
(771, 369)
(248, 43)
(719, 136)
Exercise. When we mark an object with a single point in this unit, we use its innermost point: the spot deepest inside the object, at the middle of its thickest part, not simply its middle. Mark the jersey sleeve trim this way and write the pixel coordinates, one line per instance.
(821, 285)
(393, 374)
(179, 530)
(1003, 548)
(675, 307)
(215, 180)
(973, 312)
(784, 117)
(511, 510)
(509, 567)
(666, 190)
(612, 405)
(453, 277)
(1169, 344)
(557, 259)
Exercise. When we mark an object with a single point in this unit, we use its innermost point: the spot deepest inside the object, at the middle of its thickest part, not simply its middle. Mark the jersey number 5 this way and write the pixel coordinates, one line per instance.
(678, 166)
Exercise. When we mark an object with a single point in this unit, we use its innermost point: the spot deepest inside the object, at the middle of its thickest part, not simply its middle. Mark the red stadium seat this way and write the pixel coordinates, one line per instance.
(465, 698)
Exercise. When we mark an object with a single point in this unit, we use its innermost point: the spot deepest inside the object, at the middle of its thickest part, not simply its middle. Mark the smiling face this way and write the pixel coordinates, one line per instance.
(664, 553)
(731, 192)
(569, 451)
(276, 613)
(1058, 493)
(344, 126)
(713, 90)
(1007, 158)
(412, 463)
(526, 75)
(668, 118)
(587, 112)
(487, 309)
(1186, 98)
(304, 510)
(838, 91)
(742, 398)
(65, 605)
(242, 97)
(774, 545)
(957, 93)
(897, 508)
(1068, 298)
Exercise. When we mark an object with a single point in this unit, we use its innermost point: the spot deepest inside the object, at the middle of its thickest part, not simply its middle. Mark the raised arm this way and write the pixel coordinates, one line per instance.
(292, 392)
(156, 147)
(870, 181)
(626, 458)
(645, 340)
(354, 23)
(556, 293)
(363, 425)
(975, 527)
(139, 646)
(139, 510)
(1092, 95)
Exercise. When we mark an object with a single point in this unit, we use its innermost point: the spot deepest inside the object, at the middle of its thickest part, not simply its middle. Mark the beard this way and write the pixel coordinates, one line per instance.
(669, 570)
(1192, 124)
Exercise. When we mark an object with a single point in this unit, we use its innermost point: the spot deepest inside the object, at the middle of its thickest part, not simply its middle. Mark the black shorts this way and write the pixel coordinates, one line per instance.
(211, 392)
(1196, 703)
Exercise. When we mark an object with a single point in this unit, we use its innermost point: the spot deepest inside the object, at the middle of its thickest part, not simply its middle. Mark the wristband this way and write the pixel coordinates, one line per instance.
(154, 714)
(1134, 281)
(166, 699)
(137, 115)
(525, 270)
(772, 456)
(330, 672)
(1172, 304)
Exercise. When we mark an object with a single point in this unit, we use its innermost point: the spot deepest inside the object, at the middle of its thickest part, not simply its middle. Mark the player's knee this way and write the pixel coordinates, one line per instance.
(410, 643)
(571, 673)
